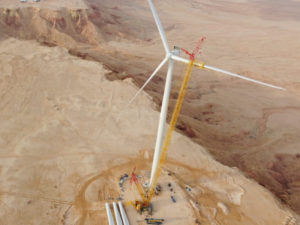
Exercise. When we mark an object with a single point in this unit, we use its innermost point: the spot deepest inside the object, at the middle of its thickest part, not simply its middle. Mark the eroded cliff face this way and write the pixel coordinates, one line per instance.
(52, 27)
(65, 27)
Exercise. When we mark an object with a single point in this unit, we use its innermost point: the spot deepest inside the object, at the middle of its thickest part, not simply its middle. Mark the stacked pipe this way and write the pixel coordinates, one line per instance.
(121, 219)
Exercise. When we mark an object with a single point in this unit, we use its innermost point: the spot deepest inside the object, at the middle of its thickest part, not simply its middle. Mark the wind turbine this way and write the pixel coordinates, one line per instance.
(171, 57)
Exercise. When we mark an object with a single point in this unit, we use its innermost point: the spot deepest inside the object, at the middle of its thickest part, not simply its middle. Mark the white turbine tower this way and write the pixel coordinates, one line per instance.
(170, 57)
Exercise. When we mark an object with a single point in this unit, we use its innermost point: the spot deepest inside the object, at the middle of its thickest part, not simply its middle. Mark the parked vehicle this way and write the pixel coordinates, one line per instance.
(154, 221)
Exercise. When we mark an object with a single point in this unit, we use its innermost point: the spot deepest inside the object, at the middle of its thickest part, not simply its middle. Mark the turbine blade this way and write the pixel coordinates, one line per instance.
(159, 26)
(186, 61)
(242, 77)
(150, 78)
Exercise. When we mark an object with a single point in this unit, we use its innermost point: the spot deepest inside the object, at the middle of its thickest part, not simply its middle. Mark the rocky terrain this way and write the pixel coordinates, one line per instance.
(243, 125)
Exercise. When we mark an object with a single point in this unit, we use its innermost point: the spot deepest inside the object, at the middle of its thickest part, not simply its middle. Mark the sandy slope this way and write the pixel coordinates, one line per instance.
(66, 138)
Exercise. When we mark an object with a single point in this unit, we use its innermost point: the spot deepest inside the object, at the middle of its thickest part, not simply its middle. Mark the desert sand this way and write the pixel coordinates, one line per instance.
(48, 114)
